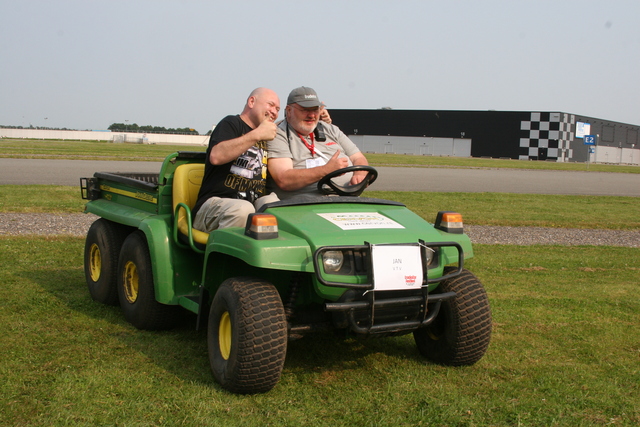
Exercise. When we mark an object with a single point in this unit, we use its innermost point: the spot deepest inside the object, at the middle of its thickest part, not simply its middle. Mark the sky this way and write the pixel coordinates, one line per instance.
(87, 64)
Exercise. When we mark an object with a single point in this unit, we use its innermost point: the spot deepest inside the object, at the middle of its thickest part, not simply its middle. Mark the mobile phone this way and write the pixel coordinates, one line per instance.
(319, 133)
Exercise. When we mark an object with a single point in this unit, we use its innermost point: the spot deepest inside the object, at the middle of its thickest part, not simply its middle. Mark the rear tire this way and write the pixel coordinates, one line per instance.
(136, 288)
(247, 336)
(101, 251)
(461, 332)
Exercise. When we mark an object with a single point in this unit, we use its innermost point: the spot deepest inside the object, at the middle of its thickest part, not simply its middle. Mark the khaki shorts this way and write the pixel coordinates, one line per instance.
(218, 212)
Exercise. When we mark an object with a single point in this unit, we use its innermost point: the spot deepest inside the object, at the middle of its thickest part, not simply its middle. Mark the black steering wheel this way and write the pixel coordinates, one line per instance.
(327, 186)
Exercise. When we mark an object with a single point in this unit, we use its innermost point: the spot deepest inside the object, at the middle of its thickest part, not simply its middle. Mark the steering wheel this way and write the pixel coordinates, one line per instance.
(327, 186)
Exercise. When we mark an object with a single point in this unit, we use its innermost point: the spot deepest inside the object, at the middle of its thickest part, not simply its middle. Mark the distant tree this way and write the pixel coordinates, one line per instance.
(121, 127)
(117, 127)
(33, 127)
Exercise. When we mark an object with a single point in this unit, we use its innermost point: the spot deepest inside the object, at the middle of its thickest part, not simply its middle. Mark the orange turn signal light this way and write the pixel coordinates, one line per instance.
(450, 222)
(261, 226)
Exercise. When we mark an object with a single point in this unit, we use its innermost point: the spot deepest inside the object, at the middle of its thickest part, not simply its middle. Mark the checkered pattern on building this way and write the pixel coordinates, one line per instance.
(553, 131)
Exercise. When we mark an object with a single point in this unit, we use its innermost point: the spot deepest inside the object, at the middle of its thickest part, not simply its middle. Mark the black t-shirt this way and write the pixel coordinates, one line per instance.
(244, 178)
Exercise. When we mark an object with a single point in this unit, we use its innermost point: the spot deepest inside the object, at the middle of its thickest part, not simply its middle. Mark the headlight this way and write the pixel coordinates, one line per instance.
(429, 255)
(332, 261)
(432, 256)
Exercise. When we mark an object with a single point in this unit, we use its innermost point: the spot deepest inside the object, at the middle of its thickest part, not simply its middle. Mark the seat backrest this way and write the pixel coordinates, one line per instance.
(187, 180)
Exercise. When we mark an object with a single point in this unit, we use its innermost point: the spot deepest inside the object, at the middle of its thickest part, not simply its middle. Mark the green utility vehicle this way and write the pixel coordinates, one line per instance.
(365, 266)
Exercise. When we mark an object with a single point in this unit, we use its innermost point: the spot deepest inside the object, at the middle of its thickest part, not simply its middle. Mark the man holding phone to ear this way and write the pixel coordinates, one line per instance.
(305, 150)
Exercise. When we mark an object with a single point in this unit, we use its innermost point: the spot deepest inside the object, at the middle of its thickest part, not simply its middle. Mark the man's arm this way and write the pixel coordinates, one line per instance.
(227, 151)
(290, 179)
(358, 159)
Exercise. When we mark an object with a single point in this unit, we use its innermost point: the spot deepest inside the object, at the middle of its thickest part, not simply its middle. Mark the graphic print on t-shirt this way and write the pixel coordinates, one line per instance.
(249, 165)
(248, 172)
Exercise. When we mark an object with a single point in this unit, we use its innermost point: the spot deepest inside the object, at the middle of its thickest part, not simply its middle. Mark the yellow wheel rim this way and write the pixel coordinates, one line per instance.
(131, 282)
(224, 335)
(95, 262)
(432, 335)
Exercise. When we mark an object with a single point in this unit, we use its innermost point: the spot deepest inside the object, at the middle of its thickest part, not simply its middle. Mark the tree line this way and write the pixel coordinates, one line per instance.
(32, 127)
(134, 127)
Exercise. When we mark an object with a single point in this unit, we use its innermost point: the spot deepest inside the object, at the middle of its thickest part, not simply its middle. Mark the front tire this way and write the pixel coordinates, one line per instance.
(136, 290)
(101, 251)
(461, 332)
(247, 336)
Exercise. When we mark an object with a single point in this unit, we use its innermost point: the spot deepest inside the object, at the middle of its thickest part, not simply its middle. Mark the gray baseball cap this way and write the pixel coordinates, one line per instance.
(304, 97)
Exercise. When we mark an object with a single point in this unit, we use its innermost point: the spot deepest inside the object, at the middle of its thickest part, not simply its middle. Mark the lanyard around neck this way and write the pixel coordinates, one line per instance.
(312, 146)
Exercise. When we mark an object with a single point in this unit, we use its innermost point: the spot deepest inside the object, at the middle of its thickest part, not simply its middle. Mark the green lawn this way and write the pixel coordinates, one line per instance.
(565, 349)
(517, 210)
(564, 352)
(19, 148)
(99, 150)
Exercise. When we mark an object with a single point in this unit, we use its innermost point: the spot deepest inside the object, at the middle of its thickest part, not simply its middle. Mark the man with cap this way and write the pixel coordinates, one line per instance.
(305, 150)
(235, 167)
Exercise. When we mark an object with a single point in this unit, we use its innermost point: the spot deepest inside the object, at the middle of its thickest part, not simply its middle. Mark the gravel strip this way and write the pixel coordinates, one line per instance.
(552, 236)
(20, 224)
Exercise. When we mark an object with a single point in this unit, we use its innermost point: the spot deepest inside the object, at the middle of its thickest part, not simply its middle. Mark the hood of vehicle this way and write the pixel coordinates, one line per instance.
(338, 224)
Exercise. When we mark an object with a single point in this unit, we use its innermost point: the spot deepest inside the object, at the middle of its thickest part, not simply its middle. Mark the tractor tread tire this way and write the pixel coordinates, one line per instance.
(259, 343)
(461, 332)
(103, 242)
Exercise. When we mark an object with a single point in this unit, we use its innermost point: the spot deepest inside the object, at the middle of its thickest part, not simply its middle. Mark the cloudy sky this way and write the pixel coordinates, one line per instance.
(87, 64)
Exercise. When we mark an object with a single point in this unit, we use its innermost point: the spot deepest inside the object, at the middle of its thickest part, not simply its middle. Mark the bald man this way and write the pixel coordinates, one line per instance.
(236, 165)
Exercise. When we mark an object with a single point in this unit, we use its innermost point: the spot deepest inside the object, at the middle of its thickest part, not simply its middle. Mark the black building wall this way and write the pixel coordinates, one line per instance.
(507, 134)
(609, 134)
(493, 133)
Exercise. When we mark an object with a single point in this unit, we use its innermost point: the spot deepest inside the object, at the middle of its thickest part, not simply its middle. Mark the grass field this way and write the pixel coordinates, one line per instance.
(516, 210)
(18, 148)
(565, 351)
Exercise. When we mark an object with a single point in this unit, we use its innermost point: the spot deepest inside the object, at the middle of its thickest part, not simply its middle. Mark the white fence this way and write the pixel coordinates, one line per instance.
(421, 146)
(88, 135)
(615, 155)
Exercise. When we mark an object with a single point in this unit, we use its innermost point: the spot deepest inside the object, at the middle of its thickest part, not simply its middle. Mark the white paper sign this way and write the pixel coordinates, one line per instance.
(582, 129)
(396, 267)
(360, 220)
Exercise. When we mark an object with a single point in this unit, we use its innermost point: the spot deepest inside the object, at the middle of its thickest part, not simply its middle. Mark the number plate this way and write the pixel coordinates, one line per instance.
(396, 267)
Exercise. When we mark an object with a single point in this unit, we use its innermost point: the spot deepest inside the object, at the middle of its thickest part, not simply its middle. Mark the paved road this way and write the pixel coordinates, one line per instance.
(64, 172)
(68, 172)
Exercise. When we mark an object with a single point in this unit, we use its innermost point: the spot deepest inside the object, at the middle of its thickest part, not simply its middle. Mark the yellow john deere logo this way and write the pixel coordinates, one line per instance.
(134, 195)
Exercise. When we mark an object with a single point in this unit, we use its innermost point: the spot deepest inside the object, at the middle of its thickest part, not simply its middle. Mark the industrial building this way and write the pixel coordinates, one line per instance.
(524, 135)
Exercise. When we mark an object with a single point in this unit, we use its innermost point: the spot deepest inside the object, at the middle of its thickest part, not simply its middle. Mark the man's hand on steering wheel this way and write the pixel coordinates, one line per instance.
(327, 186)
(358, 177)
